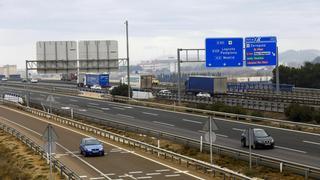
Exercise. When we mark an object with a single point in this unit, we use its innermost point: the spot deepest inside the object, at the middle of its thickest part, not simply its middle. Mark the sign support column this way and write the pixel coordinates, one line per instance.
(277, 75)
(179, 77)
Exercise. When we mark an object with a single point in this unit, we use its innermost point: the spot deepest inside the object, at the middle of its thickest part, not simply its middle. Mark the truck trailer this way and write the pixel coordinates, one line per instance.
(90, 79)
(206, 84)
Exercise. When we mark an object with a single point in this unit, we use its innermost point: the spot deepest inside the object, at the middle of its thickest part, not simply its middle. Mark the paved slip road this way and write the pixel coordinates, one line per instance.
(117, 164)
(294, 146)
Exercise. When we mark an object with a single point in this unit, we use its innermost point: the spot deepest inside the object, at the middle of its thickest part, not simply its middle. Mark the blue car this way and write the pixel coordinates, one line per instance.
(90, 147)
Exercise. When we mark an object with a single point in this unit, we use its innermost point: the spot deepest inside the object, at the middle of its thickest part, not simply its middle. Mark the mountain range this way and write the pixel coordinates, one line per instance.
(296, 58)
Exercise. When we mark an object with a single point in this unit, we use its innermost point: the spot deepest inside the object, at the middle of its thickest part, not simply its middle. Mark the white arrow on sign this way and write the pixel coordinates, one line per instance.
(49, 134)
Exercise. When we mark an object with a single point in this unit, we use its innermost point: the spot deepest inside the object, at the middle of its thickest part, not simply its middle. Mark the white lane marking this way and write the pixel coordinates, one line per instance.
(152, 174)
(144, 177)
(163, 170)
(67, 150)
(73, 100)
(310, 142)
(82, 110)
(135, 172)
(118, 108)
(152, 114)
(181, 171)
(59, 155)
(94, 104)
(42, 95)
(222, 135)
(172, 175)
(237, 129)
(157, 122)
(84, 176)
(105, 109)
(110, 174)
(127, 116)
(289, 149)
(105, 142)
(188, 120)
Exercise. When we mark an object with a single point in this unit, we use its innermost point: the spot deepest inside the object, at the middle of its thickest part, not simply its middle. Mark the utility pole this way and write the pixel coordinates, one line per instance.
(277, 75)
(179, 77)
(128, 64)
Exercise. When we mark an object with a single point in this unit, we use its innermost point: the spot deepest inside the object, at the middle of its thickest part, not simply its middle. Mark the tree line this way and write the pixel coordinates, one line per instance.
(307, 76)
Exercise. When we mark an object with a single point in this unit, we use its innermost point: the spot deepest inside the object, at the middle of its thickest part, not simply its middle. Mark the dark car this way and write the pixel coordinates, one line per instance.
(91, 146)
(260, 139)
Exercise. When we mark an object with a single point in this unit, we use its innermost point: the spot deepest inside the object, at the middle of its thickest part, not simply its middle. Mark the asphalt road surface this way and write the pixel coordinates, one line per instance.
(290, 145)
(118, 163)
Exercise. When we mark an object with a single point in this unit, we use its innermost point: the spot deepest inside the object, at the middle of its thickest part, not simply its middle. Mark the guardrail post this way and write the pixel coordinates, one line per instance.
(306, 174)
(281, 167)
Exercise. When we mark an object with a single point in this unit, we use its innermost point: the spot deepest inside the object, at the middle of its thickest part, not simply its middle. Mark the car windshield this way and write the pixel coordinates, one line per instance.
(260, 133)
(91, 142)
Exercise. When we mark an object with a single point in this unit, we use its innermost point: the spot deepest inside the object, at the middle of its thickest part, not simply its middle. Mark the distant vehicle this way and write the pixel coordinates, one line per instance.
(165, 92)
(13, 98)
(4, 79)
(34, 80)
(91, 146)
(210, 84)
(96, 87)
(138, 81)
(203, 94)
(260, 139)
(24, 80)
(155, 81)
(111, 88)
(90, 79)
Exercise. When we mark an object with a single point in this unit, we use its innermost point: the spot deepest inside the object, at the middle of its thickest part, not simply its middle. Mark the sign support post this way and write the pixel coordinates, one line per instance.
(277, 75)
(210, 137)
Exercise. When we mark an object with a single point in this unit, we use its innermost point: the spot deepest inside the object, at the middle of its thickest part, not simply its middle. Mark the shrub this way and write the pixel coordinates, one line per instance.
(298, 113)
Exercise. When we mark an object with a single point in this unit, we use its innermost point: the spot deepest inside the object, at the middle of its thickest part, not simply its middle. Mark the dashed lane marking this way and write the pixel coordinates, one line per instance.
(152, 114)
(157, 122)
(191, 121)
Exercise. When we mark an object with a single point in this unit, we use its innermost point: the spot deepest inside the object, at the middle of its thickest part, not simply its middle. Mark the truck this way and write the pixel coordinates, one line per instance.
(15, 77)
(138, 82)
(206, 84)
(91, 79)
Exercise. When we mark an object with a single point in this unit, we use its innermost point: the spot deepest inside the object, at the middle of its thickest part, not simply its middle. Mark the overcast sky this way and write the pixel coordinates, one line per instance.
(156, 27)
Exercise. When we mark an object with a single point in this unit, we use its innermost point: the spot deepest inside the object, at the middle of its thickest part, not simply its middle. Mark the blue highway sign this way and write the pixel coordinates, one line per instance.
(224, 52)
(261, 51)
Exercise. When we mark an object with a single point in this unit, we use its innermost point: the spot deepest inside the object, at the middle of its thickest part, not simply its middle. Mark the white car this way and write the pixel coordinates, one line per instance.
(164, 91)
(4, 79)
(203, 94)
(97, 87)
(34, 80)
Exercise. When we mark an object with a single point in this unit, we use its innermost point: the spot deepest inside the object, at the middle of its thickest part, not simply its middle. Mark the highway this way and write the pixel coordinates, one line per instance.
(118, 163)
(291, 145)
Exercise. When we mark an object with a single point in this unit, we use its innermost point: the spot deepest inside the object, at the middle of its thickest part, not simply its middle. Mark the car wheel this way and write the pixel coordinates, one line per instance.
(101, 153)
(243, 143)
(85, 154)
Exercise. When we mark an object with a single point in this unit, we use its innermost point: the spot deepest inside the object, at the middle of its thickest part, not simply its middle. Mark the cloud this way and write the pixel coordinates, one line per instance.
(155, 27)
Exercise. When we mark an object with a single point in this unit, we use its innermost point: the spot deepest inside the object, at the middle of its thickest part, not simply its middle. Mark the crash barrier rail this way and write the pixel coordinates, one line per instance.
(306, 96)
(181, 159)
(64, 170)
(230, 116)
(283, 165)
(246, 103)
(67, 91)
(285, 98)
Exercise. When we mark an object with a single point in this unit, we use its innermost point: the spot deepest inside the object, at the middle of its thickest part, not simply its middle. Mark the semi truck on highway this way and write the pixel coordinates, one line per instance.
(206, 84)
(91, 79)
(139, 82)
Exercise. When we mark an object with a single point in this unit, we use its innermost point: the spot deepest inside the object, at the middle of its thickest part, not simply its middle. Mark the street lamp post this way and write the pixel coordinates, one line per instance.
(128, 65)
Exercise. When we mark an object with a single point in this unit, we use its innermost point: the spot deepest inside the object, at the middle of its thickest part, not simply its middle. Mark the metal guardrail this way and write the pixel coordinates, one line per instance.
(64, 171)
(230, 116)
(307, 171)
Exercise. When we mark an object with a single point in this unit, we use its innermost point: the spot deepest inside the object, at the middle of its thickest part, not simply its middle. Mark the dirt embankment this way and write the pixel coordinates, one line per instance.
(17, 161)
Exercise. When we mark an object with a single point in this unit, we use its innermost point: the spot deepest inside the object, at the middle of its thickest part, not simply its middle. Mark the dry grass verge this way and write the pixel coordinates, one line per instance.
(17, 161)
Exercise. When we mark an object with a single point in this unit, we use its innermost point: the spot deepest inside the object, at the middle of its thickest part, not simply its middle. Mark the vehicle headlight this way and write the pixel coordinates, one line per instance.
(260, 141)
(272, 140)
(101, 148)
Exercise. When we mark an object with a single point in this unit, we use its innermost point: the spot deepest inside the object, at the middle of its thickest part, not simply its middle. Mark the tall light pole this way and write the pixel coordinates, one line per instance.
(128, 65)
